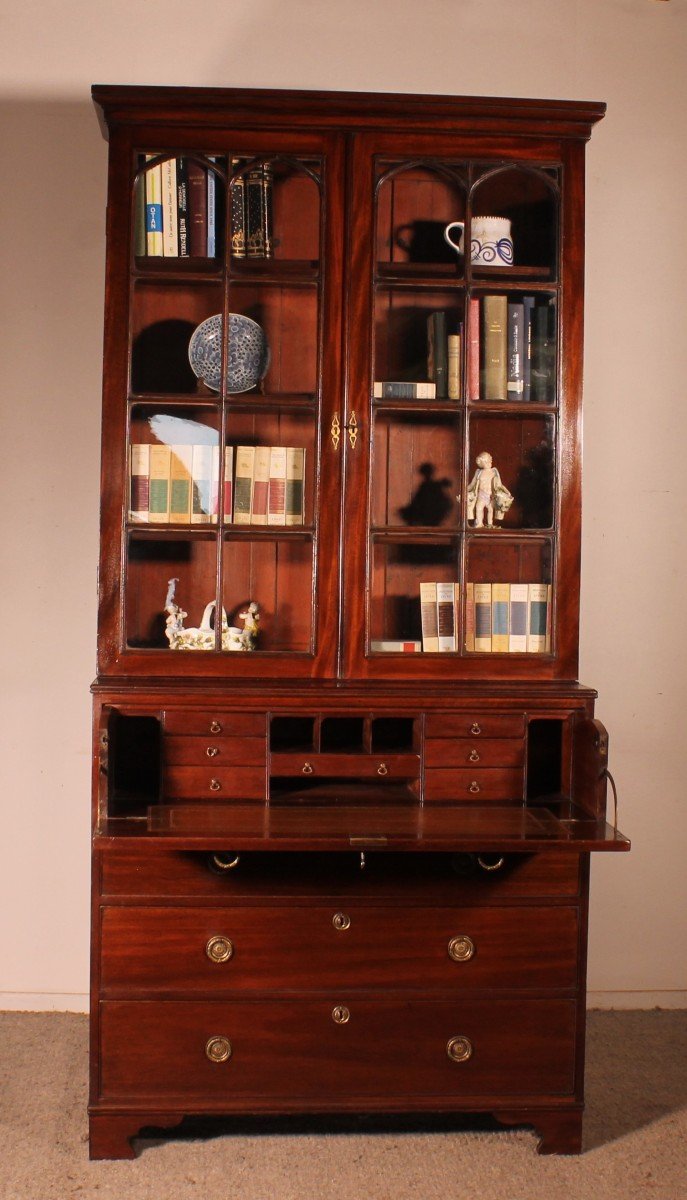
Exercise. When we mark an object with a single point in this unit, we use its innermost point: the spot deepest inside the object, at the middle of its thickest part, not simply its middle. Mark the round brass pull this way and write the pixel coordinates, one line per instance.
(212, 751)
(382, 769)
(475, 729)
(307, 768)
(224, 862)
(490, 866)
(461, 948)
(473, 757)
(219, 949)
(459, 1049)
(341, 1014)
(218, 1049)
(474, 787)
(215, 785)
(215, 727)
(341, 920)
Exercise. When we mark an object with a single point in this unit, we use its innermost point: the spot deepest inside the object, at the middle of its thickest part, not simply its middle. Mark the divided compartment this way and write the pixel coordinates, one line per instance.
(153, 559)
(164, 316)
(288, 210)
(401, 331)
(288, 315)
(276, 571)
(545, 758)
(281, 501)
(529, 198)
(415, 203)
(134, 777)
(179, 206)
(517, 342)
(416, 470)
(509, 597)
(177, 483)
(522, 449)
(399, 566)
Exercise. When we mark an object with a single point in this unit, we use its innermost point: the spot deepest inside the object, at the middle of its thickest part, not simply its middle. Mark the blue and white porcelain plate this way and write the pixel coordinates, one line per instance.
(248, 355)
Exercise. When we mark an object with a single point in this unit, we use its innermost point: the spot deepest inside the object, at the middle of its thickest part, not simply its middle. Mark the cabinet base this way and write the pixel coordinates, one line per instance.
(111, 1136)
(560, 1130)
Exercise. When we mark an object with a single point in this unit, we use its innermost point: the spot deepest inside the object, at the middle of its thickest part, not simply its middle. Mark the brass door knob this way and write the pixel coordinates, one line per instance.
(461, 948)
(215, 727)
(219, 949)
(459, 1049)
(215, 785)
(218, 1049)
(475, 729)
(474, 787)
(341, 920)
(307, 769)
(340, 1014)
(212, 751)
(473, 756)
(382, 769)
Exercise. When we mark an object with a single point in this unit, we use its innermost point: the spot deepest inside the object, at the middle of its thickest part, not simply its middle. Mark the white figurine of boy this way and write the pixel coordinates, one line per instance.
(487, 494)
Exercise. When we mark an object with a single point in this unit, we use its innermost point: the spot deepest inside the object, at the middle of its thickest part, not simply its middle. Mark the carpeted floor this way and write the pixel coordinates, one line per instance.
(635, 1135)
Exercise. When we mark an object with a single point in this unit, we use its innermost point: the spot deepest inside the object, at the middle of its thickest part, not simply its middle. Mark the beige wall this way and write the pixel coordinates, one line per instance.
(630, 53)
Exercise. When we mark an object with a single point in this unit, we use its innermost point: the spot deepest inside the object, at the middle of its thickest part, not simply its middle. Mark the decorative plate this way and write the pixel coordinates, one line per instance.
(248, 355)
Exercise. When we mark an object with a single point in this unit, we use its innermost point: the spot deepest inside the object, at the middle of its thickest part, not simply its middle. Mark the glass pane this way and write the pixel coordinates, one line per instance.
(275, 573)
(173, 466)
(270, 469)
(508, 596)
(418, 339)
(156, 562)
(288, 319)
(511, 472)
(415, 204)
(165, 316)
(511, 346)
(274, 209)
(414, 595)
(525, 203)
(416, 470)
(179, 207)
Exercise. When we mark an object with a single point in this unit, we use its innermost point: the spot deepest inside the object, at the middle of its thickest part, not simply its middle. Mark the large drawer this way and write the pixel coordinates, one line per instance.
(215, 722)
(138, 872)
(230, 949)
(474, 725)
(216, 782)
(215, 751)
(294, 1050)
(457, 784)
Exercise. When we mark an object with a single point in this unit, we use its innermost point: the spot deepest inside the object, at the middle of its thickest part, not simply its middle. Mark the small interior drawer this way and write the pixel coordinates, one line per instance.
(459, 784)
(215, 751)
(215, 782)
(475, 725)
(468, 752)
(215, 722)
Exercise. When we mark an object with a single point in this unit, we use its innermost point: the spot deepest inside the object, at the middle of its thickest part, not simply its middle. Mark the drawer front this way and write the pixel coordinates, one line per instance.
(216, 783)
(224, 950)
(459, 784)
(297, 1050)
(213, 722)
(215, 751)
(354, 766)
(409, 878)
(469, 752)
(475, 725)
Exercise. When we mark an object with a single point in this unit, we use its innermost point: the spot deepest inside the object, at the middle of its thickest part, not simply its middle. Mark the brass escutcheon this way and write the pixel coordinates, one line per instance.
(474, 756)
(215, 727)
(461, 948)
(474, 787)
(352, 428)
(475, 729)
(219, 949)
(335, 431)
(459, 1049)
(218, 1049)
(341, 1014)
(341, 920)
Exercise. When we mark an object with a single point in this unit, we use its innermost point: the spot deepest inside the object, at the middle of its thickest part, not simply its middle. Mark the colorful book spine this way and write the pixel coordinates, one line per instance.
(470, 617)
(516, 349)
(170, 232)
(201, 474)
(538, 598)
(276, 497)
(180, 477)
(198, 209)
(182, 208)
(500, 618)
(243, 484)
(517, 641)
(212, 213)
(446, 628)
(153, 177)
(428, 618)
(139, 483)
(454, 365)
(261, 480)
(237, 208)
(483, 618)
(295, 483)
(528, 308)
(228, 482)
(398, 390)
(140, 216)
(473, 348)
(158, 503)
(495, 358)
(395, 647)
(214, 485)
(437, 352)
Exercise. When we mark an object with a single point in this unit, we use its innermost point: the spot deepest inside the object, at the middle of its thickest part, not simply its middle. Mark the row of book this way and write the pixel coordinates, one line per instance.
(500, 618)
(180, 484)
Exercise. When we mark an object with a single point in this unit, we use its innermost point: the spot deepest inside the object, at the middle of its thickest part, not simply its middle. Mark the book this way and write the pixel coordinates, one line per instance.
(214, 485)
(517, 640)
(170, 236)
(437, 352)
(543, 354)
(473, 348)
(267, 190)
(516, 349)
(495, 364)
(454, 341)
(261, 478)
(276, 497)
(243, 484)
(238, 212)
(483, 617)
(295, 479)
(538, 597)
(395, 647)
(139, 483)
(201, 485)
(398, 390)
(153, 187)
(258, 212)
(446, 627)
(549, 619)
(469, 617)
(528, 307)
(212, 212)
(428, 617)
(228, 482)
(500, 618)
(197, 209)
(180, 492)
(158, 497)
(182, 208)
(140, 216)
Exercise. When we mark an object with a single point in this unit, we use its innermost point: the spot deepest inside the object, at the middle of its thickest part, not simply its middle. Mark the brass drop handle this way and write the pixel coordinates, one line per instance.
(475, 729)
(461, 948)
(215, 727)
(473, 756)
(340, 1014)
(490, 866)
(382, 769)
(219, 949)
(224, 862)
(212, 751)
(218, 1049)
(474, 787)
(459, 1049)
(307, 768)
(341, 920)
(215, 785)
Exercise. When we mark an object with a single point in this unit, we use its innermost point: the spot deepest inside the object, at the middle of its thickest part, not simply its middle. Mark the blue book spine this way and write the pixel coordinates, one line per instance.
(153, 218)
(212, 229)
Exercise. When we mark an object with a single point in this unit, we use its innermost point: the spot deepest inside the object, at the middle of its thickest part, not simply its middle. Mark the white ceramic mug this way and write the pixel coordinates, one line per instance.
(491, 243)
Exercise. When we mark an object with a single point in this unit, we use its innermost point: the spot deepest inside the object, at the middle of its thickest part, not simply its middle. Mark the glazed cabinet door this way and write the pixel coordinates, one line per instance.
(462, 544)
(220, 513)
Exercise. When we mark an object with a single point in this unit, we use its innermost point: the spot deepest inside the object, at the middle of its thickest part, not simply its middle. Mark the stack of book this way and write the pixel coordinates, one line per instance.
(251, 211)
(444, 352)
(512, 349)
(265, 486)
(176, 210)
(439, 604)
(508, 618)
(176, 485)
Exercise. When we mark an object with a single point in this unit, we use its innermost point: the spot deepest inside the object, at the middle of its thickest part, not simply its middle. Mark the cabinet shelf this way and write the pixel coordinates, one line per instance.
(182, 270)
(274, 270)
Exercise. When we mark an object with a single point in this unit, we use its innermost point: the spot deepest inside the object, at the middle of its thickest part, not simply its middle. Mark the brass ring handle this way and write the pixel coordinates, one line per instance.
(493, 866)
(215, 785)
(224, 862)
(341, 1014)
(341, 920)
(473, 756)
(212, 751)
(218, 1049)
(219, 949)
(459, 1049)
(474, 787)
(215, 727)
(307, 769)
(461, 948)
(382, 769)
(475, 729)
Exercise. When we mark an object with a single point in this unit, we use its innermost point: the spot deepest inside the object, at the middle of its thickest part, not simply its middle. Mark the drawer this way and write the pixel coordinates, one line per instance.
(138, 872)
(216, 751)
(225, 950)
(215, 783)
(353, 766)
(215, 722)
(468, 752)
(296, 1051)
(473, 725)
(460, 784)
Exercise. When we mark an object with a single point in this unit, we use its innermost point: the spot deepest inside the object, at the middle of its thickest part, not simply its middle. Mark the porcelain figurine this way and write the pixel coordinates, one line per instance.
(203, 638)
(487, 496)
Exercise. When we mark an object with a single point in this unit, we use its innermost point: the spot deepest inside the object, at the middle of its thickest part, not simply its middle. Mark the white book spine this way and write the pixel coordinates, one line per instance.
(445, 618)
(139, 484)
(519, 593)
(243, 484)
(537, 618)
(428, 617)
(170, 230)
(276, 500)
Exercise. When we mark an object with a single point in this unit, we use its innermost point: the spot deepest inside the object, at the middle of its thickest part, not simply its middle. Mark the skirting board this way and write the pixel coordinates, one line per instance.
(78, 1001)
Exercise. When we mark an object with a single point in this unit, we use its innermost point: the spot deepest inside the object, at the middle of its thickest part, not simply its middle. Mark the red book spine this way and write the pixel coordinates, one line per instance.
(198, 210)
